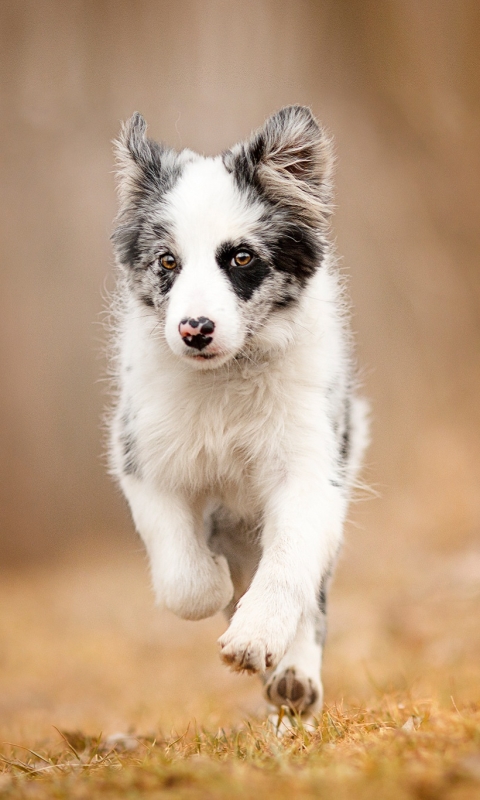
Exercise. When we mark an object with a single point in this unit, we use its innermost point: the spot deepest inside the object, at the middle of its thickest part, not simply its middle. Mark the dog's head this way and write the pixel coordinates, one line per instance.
(218, 249)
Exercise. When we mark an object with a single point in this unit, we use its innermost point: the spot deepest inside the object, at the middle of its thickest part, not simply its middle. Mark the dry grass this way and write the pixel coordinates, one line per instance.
(388, 750)
(84, 650)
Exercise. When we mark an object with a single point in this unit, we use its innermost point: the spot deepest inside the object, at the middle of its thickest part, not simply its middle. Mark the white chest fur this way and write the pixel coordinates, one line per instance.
(230, 432)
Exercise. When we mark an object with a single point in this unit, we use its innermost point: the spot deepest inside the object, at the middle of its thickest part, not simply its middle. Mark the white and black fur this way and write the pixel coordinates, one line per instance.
(237, 436)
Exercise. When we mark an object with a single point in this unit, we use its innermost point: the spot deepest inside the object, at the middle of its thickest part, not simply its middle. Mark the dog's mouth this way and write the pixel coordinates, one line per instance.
(204, 356)
(207, 360)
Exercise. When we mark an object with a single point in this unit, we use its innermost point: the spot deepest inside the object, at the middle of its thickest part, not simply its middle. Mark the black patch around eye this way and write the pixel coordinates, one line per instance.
(297, 252)
(134, 238)
(244, 280)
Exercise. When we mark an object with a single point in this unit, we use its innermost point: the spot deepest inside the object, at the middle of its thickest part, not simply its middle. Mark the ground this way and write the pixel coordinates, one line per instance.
(86, 656)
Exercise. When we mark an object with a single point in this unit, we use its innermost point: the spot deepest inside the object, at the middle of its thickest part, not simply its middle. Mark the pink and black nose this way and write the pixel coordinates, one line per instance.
(197, 331)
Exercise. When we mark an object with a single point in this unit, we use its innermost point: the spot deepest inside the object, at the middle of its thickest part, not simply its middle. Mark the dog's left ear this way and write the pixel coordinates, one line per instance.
(291, 157)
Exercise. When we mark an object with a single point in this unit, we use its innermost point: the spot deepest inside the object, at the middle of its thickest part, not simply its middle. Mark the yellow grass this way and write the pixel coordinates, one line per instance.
(85, 655)
(351, 753)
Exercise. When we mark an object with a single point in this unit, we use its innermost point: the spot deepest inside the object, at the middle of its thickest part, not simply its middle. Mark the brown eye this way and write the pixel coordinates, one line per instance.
(168, 261)
(241, 259)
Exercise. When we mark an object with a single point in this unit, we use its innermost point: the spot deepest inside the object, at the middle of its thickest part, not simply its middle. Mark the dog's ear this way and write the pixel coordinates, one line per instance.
(141, 163)
(291, 158)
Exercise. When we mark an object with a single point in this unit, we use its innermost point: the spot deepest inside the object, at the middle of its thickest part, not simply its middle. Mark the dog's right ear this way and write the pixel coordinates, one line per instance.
(139, 161)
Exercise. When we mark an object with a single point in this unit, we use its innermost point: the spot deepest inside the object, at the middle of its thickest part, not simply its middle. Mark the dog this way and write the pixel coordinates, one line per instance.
(237, 433)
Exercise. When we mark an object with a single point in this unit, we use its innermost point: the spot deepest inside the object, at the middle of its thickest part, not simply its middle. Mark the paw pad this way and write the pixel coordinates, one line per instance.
(293, 689)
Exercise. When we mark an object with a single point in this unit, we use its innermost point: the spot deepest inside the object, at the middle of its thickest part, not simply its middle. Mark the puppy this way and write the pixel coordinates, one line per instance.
(237, 436)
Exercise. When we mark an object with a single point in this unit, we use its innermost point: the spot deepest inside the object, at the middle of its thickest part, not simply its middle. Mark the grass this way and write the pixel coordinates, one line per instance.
(391, 750)
(102, 696)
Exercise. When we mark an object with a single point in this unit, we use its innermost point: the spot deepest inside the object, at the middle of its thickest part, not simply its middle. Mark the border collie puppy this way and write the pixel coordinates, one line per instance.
(237, 435)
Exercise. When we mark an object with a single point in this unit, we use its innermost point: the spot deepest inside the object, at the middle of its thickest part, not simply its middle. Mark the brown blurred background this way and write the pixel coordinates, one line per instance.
(395, 81)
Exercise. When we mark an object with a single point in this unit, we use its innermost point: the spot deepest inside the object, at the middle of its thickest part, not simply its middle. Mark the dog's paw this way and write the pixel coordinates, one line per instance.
(261, 631)
(245, 654)
(252, 649)
(293, 688)
(201, 593)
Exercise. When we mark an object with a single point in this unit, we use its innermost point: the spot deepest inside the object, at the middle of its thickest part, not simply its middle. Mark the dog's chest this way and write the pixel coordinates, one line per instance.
(214, 435)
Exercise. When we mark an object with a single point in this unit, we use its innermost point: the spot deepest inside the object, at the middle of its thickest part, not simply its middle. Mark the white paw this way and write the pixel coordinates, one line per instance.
(201, 592)
(252, 645)
(247, 653)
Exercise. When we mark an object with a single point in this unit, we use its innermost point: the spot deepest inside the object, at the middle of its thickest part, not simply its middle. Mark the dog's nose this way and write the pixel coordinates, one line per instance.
(196, 331)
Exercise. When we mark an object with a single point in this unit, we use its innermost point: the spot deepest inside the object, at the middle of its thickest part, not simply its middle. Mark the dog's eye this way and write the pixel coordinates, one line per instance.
(241, 259)
(168, 261)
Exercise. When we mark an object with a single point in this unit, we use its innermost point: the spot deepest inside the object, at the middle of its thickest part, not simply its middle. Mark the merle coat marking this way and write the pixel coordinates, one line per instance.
(237, 436)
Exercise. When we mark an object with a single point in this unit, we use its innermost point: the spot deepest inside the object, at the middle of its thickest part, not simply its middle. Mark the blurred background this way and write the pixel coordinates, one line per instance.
(397, 82)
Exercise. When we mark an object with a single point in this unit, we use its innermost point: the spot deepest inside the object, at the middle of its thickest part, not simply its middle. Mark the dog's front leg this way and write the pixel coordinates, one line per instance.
(187, 577)
(303, 529)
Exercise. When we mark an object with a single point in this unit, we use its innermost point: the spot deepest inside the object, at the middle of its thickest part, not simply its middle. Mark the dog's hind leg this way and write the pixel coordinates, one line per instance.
(296, 681)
